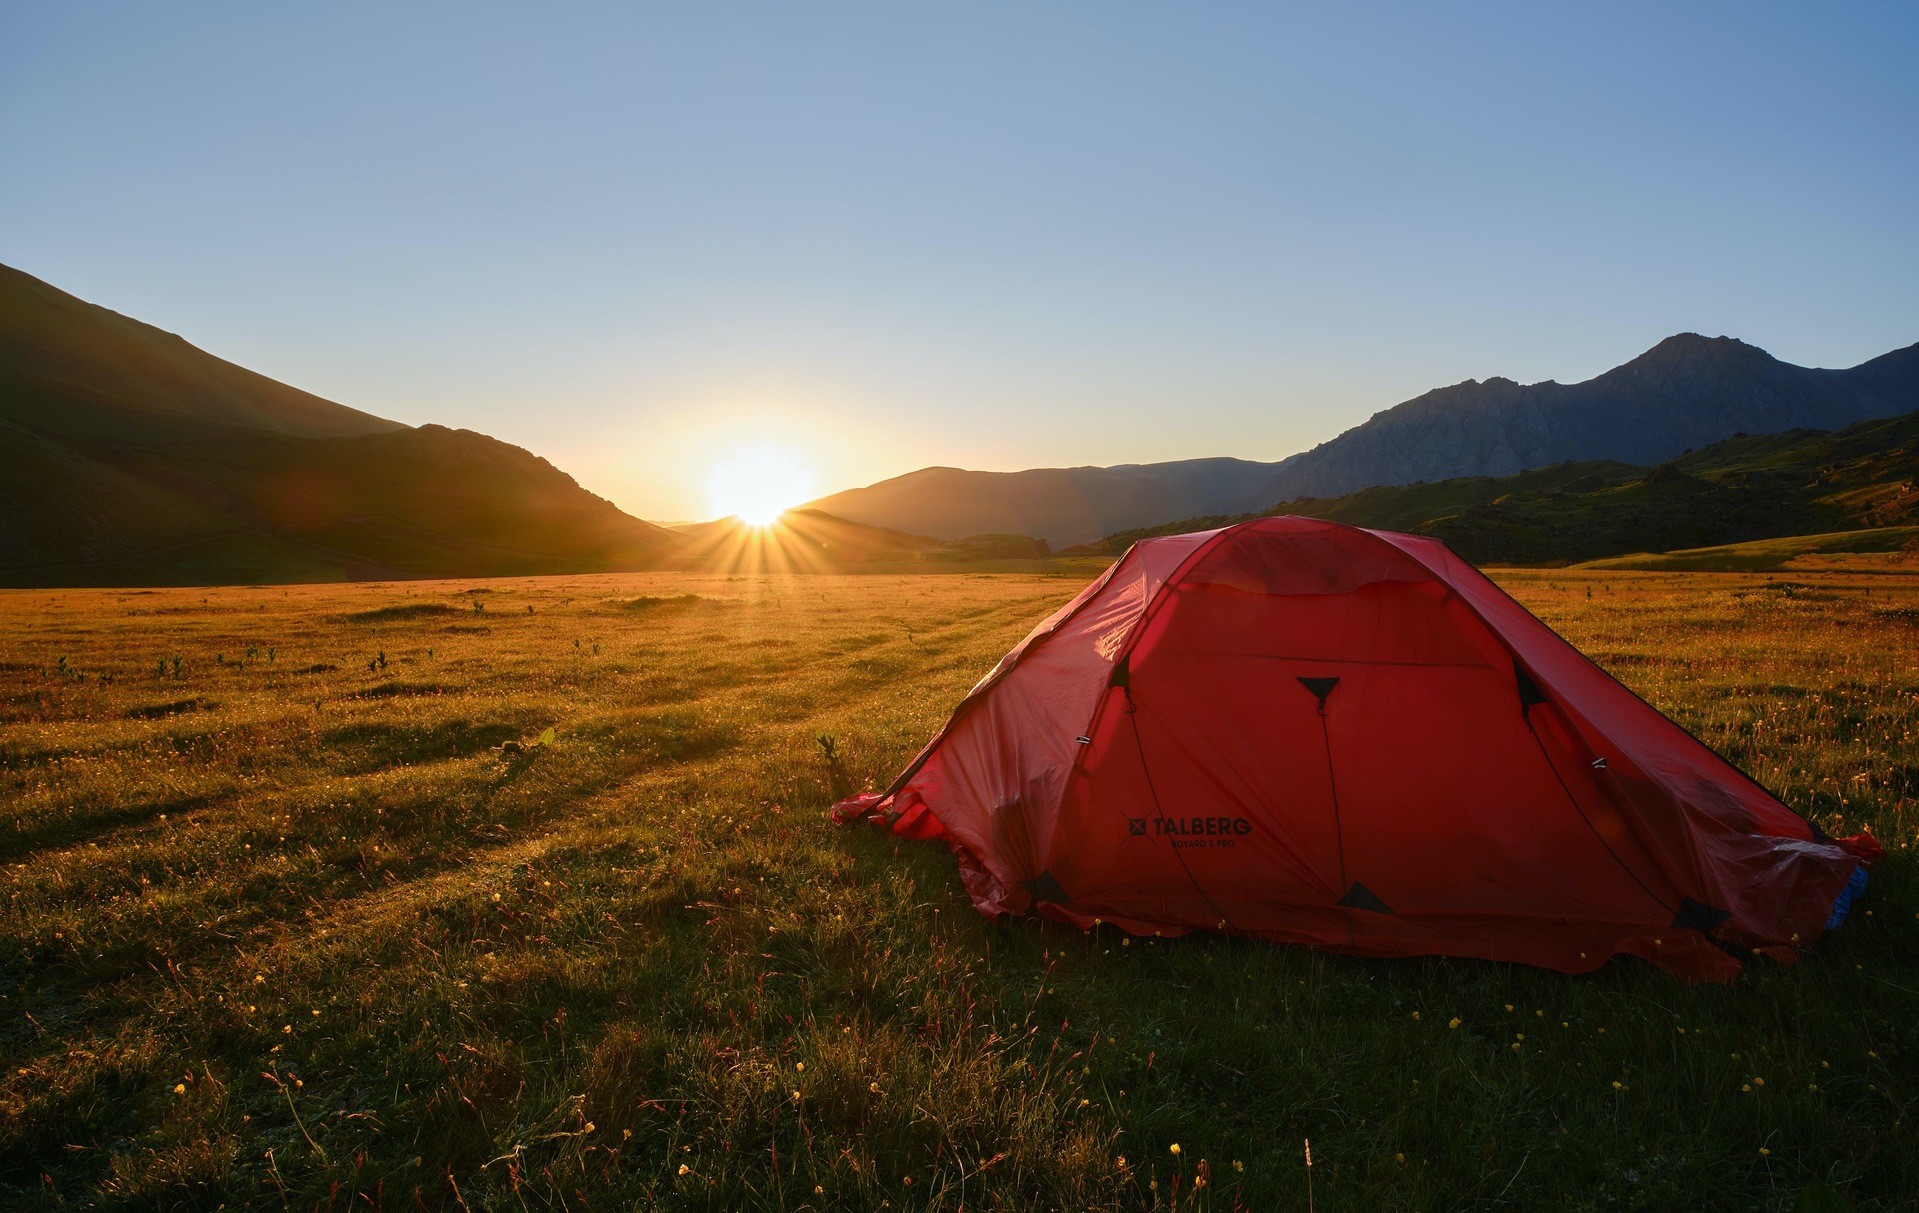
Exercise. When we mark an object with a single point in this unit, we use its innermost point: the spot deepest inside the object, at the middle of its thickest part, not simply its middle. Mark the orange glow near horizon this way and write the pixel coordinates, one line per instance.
(758, 484)
(792, 544)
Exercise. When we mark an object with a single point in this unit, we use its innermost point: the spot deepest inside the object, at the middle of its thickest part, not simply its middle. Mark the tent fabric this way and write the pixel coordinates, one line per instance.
(1305, 732)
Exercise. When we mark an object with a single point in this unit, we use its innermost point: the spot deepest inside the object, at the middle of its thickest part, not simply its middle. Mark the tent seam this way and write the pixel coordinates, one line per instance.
(992, 680)
(1139, 742)
(1125, 651)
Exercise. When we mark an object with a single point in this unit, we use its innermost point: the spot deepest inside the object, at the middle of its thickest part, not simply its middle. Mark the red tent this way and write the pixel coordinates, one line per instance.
(1311, 733)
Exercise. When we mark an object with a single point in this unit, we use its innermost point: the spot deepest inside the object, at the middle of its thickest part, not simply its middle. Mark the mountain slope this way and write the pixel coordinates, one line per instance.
(1803, 482)
(253, 506)
(1685, 392)
(128, 456)
(63, 350)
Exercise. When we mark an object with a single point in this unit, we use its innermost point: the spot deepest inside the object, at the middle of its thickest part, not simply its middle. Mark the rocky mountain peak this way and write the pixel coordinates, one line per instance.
(1682, 349)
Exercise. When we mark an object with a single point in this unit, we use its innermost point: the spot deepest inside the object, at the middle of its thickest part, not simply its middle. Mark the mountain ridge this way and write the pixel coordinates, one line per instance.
(1686, 391)
(1749, 487)
(59, 344)
(128, 455)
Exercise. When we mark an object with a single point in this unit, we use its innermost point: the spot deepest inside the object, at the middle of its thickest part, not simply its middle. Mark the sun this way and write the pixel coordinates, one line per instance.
(758, 484)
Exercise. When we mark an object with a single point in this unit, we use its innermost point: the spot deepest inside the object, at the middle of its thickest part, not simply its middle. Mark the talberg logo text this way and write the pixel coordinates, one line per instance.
(1201, 827)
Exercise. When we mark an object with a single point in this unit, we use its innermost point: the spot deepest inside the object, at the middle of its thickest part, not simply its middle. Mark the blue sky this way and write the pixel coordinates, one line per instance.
(635, 237)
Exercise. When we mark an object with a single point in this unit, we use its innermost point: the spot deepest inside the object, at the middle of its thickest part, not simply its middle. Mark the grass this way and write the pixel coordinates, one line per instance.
(299, 916)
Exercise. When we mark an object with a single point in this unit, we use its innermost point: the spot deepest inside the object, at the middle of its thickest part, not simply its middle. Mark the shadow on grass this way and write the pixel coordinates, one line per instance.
(358, 749)
(17, 843)
(401, 613)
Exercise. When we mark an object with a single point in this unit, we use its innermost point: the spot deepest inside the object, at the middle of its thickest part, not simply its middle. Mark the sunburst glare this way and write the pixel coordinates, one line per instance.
(758, 484)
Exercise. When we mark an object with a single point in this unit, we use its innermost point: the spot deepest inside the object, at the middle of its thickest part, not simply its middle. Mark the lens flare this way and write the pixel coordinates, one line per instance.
(758, 484)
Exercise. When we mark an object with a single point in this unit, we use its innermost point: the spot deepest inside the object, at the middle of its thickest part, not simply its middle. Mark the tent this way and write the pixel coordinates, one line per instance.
(1304, 732)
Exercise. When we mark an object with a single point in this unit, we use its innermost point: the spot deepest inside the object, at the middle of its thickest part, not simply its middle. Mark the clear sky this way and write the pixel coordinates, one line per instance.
(636, 237)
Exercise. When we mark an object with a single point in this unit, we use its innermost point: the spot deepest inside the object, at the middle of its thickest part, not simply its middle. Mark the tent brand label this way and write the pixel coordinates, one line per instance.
(1193, 831)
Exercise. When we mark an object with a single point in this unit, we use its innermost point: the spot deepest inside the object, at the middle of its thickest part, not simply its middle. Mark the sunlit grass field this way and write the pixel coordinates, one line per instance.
(300, 913)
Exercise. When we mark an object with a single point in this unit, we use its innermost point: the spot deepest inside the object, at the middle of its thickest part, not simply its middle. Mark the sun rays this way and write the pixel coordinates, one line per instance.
(757, 484)
(791, 541)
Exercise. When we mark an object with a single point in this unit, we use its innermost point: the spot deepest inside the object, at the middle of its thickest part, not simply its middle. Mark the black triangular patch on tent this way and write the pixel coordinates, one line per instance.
(1529, 692)
(1044, 888)
(1122, 675)
(1359, 897)
(1321, 687)
(1698, 916)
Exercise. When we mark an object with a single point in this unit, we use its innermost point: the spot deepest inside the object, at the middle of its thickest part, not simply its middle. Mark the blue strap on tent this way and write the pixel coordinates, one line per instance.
(1842, 905)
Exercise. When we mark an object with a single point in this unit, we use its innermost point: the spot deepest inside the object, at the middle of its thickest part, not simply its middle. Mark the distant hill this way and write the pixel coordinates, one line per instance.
(1685, 392)
(807, 540)
(1061, 505)
(1878, 550)
(128, 456)
(1802, 482)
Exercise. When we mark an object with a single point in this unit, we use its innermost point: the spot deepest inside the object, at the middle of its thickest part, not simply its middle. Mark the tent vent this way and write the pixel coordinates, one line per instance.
(1044, 888)
(1359, 897)
(1699, 916)
(1321, 687)
(1529, 692)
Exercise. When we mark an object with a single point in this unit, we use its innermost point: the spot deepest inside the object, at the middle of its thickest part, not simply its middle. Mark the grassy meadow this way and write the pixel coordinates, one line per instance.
(301, 913)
